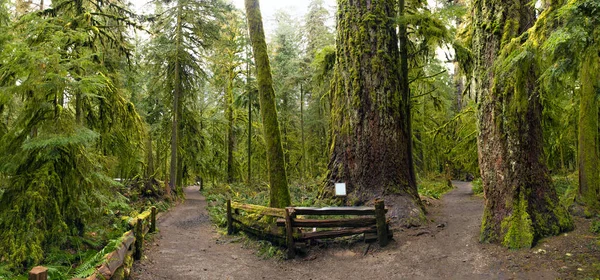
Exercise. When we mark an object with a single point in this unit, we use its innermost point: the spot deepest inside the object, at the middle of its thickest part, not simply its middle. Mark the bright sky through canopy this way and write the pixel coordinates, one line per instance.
(296, 8)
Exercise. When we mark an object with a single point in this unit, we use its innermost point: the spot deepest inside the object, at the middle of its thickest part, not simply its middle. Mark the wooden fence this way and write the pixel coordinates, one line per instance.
(117, 264)
(368, 220)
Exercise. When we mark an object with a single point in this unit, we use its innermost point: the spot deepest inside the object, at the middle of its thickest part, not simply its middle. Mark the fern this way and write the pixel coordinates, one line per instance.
(88, 267)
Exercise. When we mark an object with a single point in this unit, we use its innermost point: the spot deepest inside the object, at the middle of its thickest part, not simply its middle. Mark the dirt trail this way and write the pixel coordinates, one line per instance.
(188, 247)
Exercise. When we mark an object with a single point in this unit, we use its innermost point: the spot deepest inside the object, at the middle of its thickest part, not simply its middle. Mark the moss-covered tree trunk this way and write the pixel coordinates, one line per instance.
(370, 109)
(589, 161)
(279, 193)
(521, 205)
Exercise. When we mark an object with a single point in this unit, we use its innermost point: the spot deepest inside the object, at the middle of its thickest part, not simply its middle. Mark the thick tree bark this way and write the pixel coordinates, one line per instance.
(279, 196)
(370, 116)
(521, 205)
(589, 160)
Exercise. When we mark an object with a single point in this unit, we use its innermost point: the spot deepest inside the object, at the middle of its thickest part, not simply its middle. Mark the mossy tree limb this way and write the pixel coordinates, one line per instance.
(279, 196)
(370, 108)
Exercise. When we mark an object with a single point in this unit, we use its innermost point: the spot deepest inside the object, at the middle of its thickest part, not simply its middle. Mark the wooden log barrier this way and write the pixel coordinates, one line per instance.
(370, 220)
(38, 273)
(139, 240)
(268, 211)
(337, 233)
(153, 219)
(229, 218)
(324, 211)
(289, 230)
(382, 234)
(115, 260)
(331, 223)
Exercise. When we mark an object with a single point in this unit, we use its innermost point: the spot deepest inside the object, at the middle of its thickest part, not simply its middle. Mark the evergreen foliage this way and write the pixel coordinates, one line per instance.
(53, 160)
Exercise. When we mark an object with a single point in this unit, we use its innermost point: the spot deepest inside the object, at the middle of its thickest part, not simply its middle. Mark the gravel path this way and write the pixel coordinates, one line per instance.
(188, 247)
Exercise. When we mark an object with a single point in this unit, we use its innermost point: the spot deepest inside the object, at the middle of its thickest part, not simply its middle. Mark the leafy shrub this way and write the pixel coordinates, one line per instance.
(566, 188)
(477, 186)
(595, 228)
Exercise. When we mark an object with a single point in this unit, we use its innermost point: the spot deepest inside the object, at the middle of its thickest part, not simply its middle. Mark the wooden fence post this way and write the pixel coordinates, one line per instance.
(382, 234)
(289, 229)
(153, 219)
(229, 218)
(138, 232)
(38, 273)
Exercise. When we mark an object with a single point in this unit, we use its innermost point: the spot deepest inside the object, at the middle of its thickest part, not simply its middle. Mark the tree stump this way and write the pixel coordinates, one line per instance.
(38, 273)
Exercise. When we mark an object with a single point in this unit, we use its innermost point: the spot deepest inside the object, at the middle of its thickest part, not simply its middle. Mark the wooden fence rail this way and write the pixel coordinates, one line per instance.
(371, 220)
(117, 264)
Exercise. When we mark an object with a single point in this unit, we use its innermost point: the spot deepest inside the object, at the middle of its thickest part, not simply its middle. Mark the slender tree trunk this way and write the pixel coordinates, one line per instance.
(521, 205)
(370, 113)
(176, 97)
(158, 162)
(303, 171)
(249, 121)
(279, 193)
(589, 160)
(150, 157)
(405, 88)
(230, 136)
(284, 132)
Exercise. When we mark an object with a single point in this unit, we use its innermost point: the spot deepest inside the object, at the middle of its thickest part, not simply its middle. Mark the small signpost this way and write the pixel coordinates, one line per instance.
(340, 189)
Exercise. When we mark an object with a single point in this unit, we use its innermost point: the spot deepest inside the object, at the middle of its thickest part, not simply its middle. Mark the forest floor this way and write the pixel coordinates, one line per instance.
(188, 246)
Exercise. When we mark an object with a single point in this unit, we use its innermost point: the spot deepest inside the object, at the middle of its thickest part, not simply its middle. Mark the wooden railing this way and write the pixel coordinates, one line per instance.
(369, 220)
(117, 264)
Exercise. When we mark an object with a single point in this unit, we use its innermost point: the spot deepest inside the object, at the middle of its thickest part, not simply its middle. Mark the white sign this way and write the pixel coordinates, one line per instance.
(340, 189)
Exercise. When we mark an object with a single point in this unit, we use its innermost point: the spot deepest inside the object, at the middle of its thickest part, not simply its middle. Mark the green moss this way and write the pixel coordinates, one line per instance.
(589, 162)
(487, 234)
(518, 228)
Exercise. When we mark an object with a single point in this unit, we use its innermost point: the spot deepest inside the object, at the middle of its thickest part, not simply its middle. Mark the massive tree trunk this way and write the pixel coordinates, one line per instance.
(589, 161)
(370, 110)
(279, 196)
(521, 205)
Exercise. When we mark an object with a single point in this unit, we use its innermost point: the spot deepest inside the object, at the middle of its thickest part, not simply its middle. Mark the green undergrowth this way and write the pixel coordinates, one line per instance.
(434, 186)
(566, 187)
(81, 254)
(264, 249)
(477, 186)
